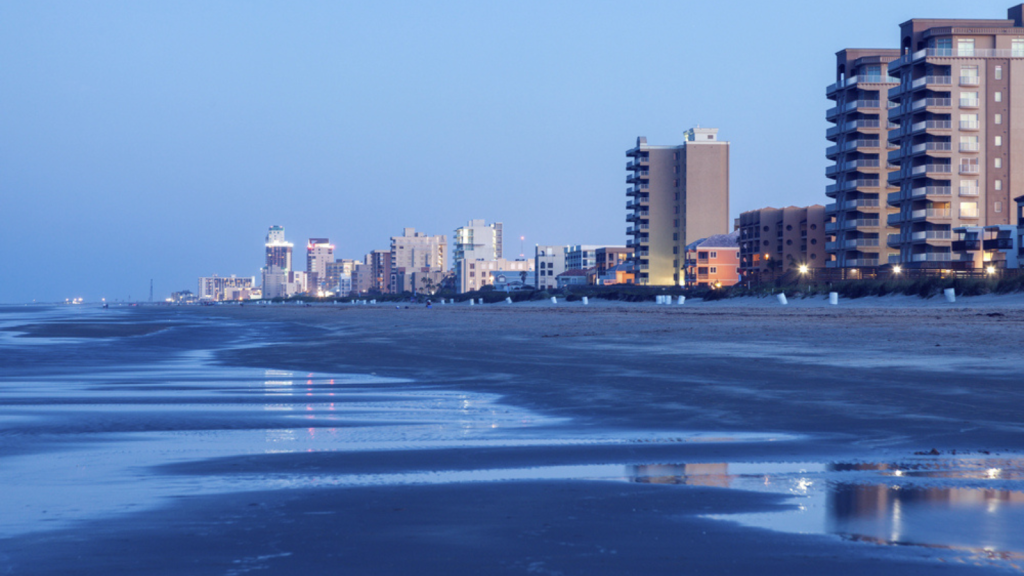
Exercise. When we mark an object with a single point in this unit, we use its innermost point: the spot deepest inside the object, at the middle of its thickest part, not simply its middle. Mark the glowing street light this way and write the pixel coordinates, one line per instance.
(803, 268)
(897, 269)
(991, 270)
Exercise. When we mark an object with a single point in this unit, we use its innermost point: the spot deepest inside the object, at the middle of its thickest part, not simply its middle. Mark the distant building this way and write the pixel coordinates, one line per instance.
(575, 277)
(677, 194)
(217, 289)
(511, 280)
(620, 274)
(319, 253)
(776, 240)
(608, 257)
(475, 274)
(580, 257)
(714, 261)
(379, 264)
(278, 264)
(362, 278)
(339, 277)
(478, 241)
(549, 262)
(415, 252)
(184, 297)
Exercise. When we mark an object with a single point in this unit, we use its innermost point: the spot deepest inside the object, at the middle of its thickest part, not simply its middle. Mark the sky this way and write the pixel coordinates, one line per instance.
(159, 140)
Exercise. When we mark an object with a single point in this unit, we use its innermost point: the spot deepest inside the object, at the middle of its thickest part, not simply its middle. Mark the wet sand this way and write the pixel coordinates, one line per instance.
(864, 383)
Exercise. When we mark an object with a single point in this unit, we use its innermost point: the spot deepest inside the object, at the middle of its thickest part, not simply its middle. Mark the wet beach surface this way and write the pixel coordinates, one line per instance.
(616, 440)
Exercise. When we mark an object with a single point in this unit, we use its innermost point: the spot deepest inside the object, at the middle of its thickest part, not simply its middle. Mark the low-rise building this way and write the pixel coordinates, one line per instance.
(475, 274)
(621, 274)
(986, 247)
(511, 280)
(608, 257)
(774, 241)
(549, 262)
(217, 289)
(575, 277)
(714, 261)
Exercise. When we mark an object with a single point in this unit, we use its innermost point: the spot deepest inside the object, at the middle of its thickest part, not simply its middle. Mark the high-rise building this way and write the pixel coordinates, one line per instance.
(340, 276)
(774, 241)
(319, 253)
(478, 240)
(276, 281)
(958, 158)
(379, 266)
(857, 218)
(678, 194)
(416, 252)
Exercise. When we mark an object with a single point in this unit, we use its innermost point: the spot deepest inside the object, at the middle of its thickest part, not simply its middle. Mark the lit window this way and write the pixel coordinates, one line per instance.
(997, 207)
(998, 184)
(998, 119)
(1017, 48)
(999, 96)
(999, 140)
(999, 72)
(965, 47)
(998, 163)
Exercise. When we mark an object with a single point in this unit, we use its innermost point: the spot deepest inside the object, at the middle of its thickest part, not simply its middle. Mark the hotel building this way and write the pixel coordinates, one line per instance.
(776, 240)
(319, 254)
(276, 273)
(416, 253)
(677, 194)
(857, 218)
(960, 87)
(476, 241)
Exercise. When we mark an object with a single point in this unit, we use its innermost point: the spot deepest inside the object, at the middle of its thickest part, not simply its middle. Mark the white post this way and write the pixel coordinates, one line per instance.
(833, 298)
(554, 300)
(782, 299)
(950, 294)
(658, 299)
(374, 301)
(472, 302)
(682, 300)
(586, 302)
(481, 301)
(508, 300)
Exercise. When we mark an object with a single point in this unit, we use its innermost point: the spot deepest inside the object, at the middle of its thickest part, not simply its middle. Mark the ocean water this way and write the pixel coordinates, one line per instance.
(90, 426)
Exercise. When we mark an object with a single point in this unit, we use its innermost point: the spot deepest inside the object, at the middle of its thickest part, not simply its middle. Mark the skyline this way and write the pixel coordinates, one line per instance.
(160, 142)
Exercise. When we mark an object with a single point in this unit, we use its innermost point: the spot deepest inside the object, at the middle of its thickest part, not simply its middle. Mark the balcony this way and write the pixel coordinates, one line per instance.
(831, 226)
(638, 162)
(970, 168)
(931, 235)
(831, 246)
(894, 219)
(861, 262)
(969, 103)
(969, 214)
(861, 223)
(893, 240)
(974, 53)
(854, 80)
(936, 213)
(932, 147)
(969, 125)
(932, 125)
(969, 147)
(965, 245)
(970, 81)
(932, 80)
(998, 244)
(931, 257)
(969, 191)
(932, 169)
(861, 243)
(931, 102)
(931, 191)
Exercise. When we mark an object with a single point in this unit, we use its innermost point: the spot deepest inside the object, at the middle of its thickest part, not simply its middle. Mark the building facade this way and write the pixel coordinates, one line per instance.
(858, 217)
(608, 257)
(378, 263)
(714, 261)
(217, 289)
(774, 241)
(339, 276)
(278, 264)
(416, 253)
(475, 274)
(319, 254)
(958, 159)
(677, 194)
(549, 262)
(478, 240)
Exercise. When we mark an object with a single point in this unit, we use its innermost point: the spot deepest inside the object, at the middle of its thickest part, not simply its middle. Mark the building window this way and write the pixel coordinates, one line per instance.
(675, 249)
(997, 163)
(999, 72)
(814, 256)
(713, 270)
(997, 207)
(998, 184)
(997, 119)
(968, 209)
(965, 47)
(713, 255)
(1016, 48)
(999, 96)
(789, 242)
(676, 156)
(675, 169)
(999, 140)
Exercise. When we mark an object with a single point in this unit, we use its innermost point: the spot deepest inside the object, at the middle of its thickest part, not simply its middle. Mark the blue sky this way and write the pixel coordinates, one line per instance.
(159, 140)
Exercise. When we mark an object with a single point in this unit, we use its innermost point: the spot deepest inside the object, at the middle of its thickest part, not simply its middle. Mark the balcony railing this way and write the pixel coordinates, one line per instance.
(969, 191)
(932, 213)
(953, 53)
(931, 257)
(862, 243)
(936, 168)
(970, 81)
(969, 102)
(932, 147)
(970, 168)
(932, 235)
(931, 191)
(969, 213)
(968, 125)
(941, 80)
(943, 102)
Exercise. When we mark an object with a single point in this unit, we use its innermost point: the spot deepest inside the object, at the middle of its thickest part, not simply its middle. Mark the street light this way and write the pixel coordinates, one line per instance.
(991, 270)
(803, 268)
(896, 269)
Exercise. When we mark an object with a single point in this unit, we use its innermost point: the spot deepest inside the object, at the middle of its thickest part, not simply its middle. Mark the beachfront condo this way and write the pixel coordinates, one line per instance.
(957, 157)
(677, 194)
(860, 135)
(549, 262)
(477, 240)
(319, 253)
(774, 241)
(416, 252)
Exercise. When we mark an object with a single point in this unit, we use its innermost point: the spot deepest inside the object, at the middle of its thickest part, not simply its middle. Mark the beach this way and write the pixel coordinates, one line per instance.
(881, 435)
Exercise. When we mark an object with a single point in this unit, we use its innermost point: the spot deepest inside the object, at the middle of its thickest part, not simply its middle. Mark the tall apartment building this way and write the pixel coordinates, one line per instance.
(774, 241)
(378, 265)
(339, 278)
(319, 253)
(549, 262)
(478, 240)
(677, 195)
(857, 218)
(278, 265)
(959, 91)
(416, 252)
